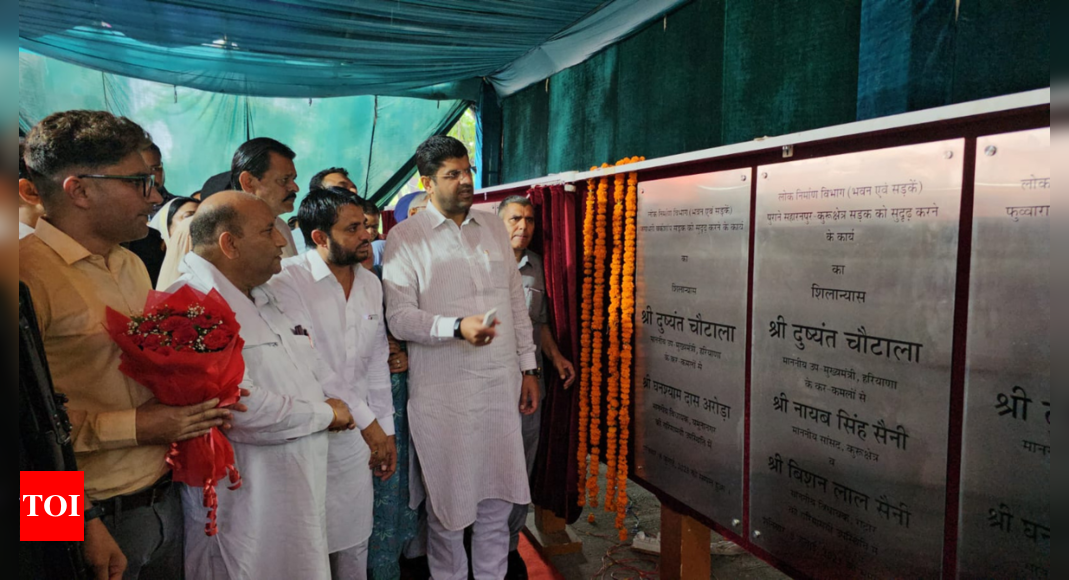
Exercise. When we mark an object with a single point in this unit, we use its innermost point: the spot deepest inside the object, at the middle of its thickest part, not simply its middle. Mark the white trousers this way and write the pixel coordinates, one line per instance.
(489, 544)
(349, 564)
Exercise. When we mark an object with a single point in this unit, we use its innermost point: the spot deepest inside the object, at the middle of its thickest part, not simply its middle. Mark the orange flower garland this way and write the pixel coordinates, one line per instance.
(585, 355)
(612, 444)
(598, 324)
(627, 316)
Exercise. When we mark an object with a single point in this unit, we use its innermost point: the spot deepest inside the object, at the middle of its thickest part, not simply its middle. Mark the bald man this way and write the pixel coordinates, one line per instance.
(275, 526)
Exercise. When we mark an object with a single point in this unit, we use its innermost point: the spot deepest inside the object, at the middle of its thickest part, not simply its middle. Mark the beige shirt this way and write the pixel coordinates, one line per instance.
(71, 289)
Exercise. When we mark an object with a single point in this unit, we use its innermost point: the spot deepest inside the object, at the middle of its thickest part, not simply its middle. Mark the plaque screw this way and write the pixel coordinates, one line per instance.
(949, 155)
(736, 523)
(991, 151)
(757, 534)
(764, 175)
(744, 178)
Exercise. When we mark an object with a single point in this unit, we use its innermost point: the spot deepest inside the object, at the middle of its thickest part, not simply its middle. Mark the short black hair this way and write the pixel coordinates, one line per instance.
(255, 157)
(317, 179)
(320, 208)
(520, 200)
(215, 184)
(154, 148)
(209, 224)
(432, 153)
(89, 139)
(176, 205)
(23, 172)
(371, 208)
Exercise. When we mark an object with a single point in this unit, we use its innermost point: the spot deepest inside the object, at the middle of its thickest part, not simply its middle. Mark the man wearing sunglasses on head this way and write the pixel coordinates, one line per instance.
(97, 193)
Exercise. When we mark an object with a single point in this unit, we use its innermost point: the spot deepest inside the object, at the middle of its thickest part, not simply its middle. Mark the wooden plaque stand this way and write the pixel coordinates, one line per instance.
(684, 547)
(551, 535)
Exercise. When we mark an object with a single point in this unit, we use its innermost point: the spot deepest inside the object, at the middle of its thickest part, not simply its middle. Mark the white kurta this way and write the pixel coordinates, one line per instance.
(464, 401)
(274, 527)
(291, 246)
(350, 336)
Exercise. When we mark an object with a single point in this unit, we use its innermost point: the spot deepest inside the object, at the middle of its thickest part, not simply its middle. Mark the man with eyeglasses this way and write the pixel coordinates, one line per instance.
(454, 293)
(151, 248)
(97, 193)
(264, 167)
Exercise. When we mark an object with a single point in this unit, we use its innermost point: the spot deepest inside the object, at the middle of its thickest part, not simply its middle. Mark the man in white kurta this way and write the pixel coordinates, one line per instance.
(445, 268)
(340, 303)
(274, 526)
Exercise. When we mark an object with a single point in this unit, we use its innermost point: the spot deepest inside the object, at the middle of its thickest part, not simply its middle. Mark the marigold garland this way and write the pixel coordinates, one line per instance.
(612, 421)
(627, 316)
(598, 325)
(585, 355)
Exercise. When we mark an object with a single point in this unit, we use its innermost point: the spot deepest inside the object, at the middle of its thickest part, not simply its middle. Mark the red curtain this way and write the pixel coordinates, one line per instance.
(555, 483)
(388, 221)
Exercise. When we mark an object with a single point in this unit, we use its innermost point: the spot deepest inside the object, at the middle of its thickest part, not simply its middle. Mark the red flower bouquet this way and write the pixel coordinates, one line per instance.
(186, 349)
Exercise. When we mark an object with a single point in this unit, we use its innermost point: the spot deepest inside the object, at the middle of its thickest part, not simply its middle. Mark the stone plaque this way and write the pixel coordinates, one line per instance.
(1005, 508)
(691, 298)
(854, 292)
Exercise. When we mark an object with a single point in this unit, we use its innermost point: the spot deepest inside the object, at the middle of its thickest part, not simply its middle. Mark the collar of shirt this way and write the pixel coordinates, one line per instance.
(437, 219)
(197, 267)
(318, 267)
(24, 230)
(65, 246)
(525, 261)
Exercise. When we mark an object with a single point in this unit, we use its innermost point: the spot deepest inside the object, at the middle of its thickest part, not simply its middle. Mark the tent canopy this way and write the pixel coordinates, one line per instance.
(439, 49)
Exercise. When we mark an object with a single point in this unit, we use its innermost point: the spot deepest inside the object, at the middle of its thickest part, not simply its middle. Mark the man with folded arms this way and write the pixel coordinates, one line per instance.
(275, 526)
(340, 303)
(98, 192)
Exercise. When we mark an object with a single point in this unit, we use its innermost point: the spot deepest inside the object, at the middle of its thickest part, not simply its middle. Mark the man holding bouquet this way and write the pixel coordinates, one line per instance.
(97, 193)
(340, 303)
(274, 526)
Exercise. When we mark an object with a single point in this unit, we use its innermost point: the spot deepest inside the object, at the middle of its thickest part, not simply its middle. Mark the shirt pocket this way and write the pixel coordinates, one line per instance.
(535, 299)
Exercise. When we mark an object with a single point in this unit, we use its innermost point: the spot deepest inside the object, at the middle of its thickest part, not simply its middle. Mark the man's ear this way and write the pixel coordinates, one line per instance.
(320, 238)
(428, 183)
(228, 246)
(74, 189)
(28, 193)
(247, 182)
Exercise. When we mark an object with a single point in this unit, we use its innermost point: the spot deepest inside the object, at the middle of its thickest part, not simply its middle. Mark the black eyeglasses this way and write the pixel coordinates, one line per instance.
(456, 174)
(147, 180)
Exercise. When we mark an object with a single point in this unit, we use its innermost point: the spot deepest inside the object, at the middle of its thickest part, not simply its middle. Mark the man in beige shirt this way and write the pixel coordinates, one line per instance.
(97, 192)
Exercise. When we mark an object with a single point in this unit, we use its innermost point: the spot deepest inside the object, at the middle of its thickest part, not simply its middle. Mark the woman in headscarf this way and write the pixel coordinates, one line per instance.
(172, 222)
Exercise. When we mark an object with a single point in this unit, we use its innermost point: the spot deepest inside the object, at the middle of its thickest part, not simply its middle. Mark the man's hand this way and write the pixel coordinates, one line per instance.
(386, 469)
(343, 417)
(379, 444)
(530, 396)
(566, 370)
(475, 333)
(105, 559)
(237, 408)
(159, 424)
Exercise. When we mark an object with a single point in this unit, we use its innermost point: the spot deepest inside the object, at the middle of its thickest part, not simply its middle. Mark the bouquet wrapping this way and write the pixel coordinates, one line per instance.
(186, 349)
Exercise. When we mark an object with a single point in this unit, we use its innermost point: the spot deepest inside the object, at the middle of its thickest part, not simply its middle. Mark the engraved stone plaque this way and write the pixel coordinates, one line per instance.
(1005, 509)
(854, 292)
(691, 299)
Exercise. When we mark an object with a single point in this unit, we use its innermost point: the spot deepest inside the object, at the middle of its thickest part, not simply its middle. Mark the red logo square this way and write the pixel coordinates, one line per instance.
(52, 506)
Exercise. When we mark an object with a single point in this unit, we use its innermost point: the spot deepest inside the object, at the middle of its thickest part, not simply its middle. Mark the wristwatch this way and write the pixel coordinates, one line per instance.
(94, 513)
(536, 373)
(457, 334)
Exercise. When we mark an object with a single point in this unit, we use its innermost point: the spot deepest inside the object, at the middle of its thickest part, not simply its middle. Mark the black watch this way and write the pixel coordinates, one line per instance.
(536, 373)
(457, 334)
(94, 513)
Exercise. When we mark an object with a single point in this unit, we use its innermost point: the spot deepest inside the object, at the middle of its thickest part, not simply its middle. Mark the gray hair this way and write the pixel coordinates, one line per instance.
(520, 200)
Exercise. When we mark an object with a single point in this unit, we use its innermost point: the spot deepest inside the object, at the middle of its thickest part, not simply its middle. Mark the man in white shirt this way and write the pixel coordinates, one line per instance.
(340, 303)
(445, 269)
(264, 167)
(275, 526)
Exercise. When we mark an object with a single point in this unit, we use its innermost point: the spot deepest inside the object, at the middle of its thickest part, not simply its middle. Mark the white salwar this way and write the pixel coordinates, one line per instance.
(464, 401)
(350, 336)
(274, 527)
